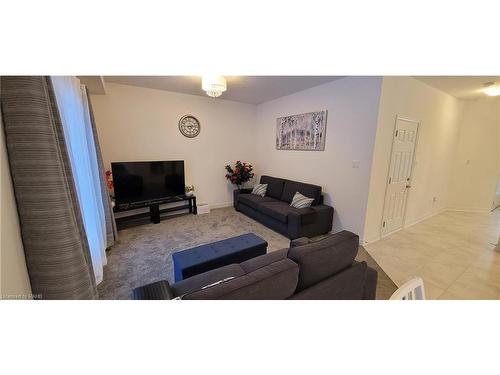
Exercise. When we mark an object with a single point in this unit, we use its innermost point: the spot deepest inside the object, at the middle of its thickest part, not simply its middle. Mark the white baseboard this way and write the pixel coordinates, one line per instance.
(406, 225)
(469, 209)
(411, 223)
(425, 217)
(369, 240)
(213, 206)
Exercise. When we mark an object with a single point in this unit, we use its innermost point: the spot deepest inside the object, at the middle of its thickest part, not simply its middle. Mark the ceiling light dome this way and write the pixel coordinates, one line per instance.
(214, 86)
(490, 89)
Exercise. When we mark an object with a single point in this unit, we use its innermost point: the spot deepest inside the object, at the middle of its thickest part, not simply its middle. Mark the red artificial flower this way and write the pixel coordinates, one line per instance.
(242, 173)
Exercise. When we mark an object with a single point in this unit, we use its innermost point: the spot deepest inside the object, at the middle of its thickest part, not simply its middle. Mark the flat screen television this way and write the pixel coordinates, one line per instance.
(143, 181)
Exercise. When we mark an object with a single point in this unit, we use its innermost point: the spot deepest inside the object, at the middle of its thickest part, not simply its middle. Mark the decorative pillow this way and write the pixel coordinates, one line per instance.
(260, 189)
(301, 201)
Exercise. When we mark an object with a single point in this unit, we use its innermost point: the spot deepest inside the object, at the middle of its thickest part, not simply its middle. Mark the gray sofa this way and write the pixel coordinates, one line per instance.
(275, 212)
(323, 269)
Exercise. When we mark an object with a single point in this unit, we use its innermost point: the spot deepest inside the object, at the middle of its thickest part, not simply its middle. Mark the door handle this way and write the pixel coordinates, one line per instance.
(408, 186)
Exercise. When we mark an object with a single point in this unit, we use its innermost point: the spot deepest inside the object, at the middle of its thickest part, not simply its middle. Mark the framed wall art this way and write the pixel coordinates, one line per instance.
(303, 132)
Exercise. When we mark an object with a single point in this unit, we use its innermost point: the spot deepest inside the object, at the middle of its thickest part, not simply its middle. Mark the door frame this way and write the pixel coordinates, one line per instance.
(419, 123)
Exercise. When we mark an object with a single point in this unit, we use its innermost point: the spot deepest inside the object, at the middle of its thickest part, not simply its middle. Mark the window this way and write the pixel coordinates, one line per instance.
(73, 108)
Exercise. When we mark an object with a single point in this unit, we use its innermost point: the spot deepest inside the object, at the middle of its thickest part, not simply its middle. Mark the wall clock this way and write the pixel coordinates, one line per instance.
(189, 126)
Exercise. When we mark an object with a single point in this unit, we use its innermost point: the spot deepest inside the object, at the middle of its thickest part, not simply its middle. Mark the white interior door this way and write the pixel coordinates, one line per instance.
(399, 179)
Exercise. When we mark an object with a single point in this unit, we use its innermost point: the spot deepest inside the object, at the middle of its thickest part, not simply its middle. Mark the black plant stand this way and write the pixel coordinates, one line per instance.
(154, 213)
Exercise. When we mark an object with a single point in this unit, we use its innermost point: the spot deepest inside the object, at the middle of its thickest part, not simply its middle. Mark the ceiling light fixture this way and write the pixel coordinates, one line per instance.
(213, 85)
(490, 89)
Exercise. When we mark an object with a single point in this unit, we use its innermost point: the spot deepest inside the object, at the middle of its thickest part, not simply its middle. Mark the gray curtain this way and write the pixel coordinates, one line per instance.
(111, 230)
(55, 244)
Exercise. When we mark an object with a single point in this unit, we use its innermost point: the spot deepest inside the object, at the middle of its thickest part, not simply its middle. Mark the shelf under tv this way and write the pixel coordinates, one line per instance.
(155, 212)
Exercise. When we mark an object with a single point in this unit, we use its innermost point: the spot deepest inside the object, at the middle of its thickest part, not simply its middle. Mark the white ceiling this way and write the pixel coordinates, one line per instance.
(246, 89)
(461, 87)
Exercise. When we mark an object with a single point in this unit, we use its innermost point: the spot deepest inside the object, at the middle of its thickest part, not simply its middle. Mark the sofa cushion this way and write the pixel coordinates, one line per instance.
(264, 219)
(277, 210)
(310, 191)
(277, 280)
(348, 284)
(253, 200)
(197, 282)
(263, 260)
(321, 259)
(274, 186)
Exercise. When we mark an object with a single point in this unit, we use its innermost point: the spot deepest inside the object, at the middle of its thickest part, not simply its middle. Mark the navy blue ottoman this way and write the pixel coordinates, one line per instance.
(207, 257)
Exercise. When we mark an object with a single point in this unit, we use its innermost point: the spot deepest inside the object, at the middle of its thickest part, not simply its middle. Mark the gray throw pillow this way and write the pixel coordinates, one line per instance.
(301, 201)
(260, 189)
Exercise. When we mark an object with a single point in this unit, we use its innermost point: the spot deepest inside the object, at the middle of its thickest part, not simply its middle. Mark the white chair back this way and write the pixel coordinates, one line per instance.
(411, 290)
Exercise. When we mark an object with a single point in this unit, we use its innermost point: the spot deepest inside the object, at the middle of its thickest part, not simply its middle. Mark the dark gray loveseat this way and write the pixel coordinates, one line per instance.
(275, 212)
(323, 269)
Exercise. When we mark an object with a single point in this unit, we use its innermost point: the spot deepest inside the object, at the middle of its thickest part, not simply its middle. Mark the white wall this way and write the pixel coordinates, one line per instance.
(476, 167)
(352, 105)
(141, 124)
(439, 114)
(14, 280)
(136, 124)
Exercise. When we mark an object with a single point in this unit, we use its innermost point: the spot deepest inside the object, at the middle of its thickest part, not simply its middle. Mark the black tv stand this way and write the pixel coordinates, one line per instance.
(154, 213)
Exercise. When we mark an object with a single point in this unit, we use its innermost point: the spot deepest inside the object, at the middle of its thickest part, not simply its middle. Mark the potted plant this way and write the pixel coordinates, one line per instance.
(110, 185)
(239, 174)
(189, 190)
(109, 181)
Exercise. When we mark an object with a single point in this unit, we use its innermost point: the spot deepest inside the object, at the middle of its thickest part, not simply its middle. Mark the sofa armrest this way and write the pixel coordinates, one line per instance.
(237, 192)
(323, 208)
(155, 291)
(301, 216)
(318, 219)
(245, 190)
(300, 241)
(325, 214)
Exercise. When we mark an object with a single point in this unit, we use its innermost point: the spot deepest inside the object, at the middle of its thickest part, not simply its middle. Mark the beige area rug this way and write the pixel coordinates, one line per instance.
(143, 253)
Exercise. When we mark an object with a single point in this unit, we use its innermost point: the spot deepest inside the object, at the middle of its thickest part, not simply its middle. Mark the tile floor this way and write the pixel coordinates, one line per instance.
(453, 252)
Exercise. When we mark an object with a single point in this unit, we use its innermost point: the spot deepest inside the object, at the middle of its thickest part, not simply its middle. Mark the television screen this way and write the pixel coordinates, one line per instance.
(140, 181)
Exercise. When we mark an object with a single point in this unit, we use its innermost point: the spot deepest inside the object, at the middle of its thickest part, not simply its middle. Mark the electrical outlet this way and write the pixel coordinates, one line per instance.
(355, 163)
